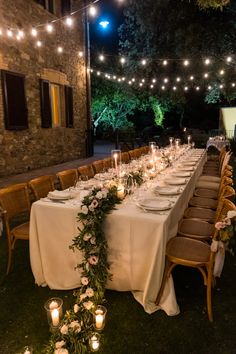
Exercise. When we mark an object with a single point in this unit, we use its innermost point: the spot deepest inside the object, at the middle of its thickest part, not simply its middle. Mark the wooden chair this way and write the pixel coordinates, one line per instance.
(41, 186)
(132, 154)
(199, 228)
(195, 254)
(67, 178)
(107, 163)
(209, 203)
(98, 166)
(15, 203)
(125, 158)
(211, 193)
(86, 170)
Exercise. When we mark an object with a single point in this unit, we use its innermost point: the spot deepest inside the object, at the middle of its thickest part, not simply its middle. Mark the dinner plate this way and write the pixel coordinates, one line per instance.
(189, 163)
(168, 190)
(154, 204)
(186, 168)
(175, 181)
(182, 174)
(59, 195)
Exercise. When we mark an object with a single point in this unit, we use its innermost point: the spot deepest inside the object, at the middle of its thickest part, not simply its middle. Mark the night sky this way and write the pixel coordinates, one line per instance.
(106, 40)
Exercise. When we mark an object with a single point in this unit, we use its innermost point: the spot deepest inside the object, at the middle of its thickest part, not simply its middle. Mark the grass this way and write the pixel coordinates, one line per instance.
(128, 329)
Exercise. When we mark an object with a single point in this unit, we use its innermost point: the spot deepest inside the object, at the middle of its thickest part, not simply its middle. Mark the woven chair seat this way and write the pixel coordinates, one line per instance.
(210, 172)
(197, 229)
(188, 250)
(208, 185)
(206, 193)
(200, 213)
(214, 179)
(21, 231)
(203, 202)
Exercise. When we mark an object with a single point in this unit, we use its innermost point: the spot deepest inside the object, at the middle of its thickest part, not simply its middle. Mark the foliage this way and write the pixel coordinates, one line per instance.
(213, 96)
(215, 4)
(77, 327)
(227, 231)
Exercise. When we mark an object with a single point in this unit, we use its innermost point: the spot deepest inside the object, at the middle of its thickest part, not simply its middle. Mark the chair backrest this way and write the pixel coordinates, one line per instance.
(41, 186)
(67, 178)
(125, 158)
(225, 162)
(107, 163)
(86, 170)
(98, 166)
(15, 200)
(225, 181)
(132, 154)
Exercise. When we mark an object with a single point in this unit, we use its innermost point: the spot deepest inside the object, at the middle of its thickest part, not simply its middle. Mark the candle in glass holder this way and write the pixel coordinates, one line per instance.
(27, 350)
(94, 342)
(54, 312)
(171, 141)
(189, 139)
(55, 317)
(120, 191)
(99, 317)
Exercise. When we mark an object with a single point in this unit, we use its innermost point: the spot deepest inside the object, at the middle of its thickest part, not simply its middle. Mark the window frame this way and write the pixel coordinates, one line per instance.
(7, 119)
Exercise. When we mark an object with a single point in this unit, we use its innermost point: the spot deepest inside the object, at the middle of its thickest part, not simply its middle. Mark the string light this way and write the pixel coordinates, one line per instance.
(163, 87)
(101, 57)
(174, 88)
(191, 78)
(222, 72)
(154, 81)
(21, 33)
(207, 61)
(186, 88)
(151, 86)
(166, 80)
(59, 49)
(197, 88)
(98, 73)
(122, 60)
(206, 75)
(140, 84)
(69, 21)
(114, 77)
(143, 62)
(178, 79)
(233, 84)
(221, 86)
(229, 59)
(34, 32)
(49, 28)
(186, 62)
(39, 44)
(92, 10)
(81, 54)
(133, 79)
(165, 62)
(209, 87)
(143, 80)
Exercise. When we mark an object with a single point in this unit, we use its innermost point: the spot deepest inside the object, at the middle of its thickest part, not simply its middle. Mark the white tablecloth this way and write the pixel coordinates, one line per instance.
(136, 241)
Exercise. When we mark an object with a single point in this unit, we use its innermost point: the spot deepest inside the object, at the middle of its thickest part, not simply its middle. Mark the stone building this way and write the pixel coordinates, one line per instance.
(44, 97)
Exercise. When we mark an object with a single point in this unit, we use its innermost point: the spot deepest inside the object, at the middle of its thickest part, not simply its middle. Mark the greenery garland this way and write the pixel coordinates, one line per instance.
(77, 326)
(215, 4)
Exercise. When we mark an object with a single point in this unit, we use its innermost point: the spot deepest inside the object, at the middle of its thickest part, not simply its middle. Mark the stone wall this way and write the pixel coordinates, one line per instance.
(37, 147)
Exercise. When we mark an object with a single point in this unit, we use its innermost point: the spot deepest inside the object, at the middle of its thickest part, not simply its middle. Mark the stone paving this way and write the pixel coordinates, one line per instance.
(101, 150)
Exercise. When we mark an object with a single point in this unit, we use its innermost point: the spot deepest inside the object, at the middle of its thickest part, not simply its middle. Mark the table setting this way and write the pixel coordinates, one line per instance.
(138, 227)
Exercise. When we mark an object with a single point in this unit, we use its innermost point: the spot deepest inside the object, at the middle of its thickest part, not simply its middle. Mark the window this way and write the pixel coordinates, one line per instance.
(48, 5)
(65, 7)
(56, 105)
(14, 101)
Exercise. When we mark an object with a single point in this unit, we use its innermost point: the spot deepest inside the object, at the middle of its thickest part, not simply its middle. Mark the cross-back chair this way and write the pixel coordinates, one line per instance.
(195, 254)
(41, 186)
(15, 204)
(98, 166)
(107, 163)
(86, 171)
(67, 178)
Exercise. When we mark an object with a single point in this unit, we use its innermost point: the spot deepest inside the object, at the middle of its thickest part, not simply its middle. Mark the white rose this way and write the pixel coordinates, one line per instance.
(84, 280)
(89, 292)
(64, 329)
(93, 240)
(88, 305)
(104, 194)
(91, 208)
(75, 326)
(99, 195)
(86, 237)
(76, 308)
(83, 296)
(60, 344)
(231, 214)
(84, 209)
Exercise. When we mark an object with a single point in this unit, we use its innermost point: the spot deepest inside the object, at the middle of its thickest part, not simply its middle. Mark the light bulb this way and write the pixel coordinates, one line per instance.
(133, 79)
(165, 62)
(143, 80)
(140, 84)
(178, 79)
(154, 80)
(221, 86)
(39, 44)
(207, 61)
(144, 62)
(191, 78)
(81, 54)
(151, 86)
(222, 72)
(114, 77)
(49, 28)
(186, 62)
(186, 88)
(197, 88)
(166, 80)
(163, 87)
(69, 21)
(92, 10)
(233, 84)
(122, 60)
(101, 57)
(206, 75)
(209, 87)
(174, 88)
(98, 73)
(59, 49)
(21, 34)
(34, 32)
(229, 59)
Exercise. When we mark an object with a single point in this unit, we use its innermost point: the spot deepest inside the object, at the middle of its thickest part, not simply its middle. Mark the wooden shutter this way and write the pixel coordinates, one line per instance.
(45, 99)
(65, 7)
(69, 107)
(14, 101)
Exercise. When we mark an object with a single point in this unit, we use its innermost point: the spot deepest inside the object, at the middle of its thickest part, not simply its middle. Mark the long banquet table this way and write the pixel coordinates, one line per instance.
(136, 243)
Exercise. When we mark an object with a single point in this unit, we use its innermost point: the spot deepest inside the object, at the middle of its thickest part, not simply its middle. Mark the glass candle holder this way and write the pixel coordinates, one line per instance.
(94, 342)
(54, 312)
(189, 137)
(171, 140)
(27, 350)
(100, 317)
(152, 147)
(116, 161)
(177, 143)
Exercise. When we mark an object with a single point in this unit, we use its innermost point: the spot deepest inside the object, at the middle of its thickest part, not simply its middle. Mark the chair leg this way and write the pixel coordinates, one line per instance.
(209, 296)
(9, 261)
(165, 276)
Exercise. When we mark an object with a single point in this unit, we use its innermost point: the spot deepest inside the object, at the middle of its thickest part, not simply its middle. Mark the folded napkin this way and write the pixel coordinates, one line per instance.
(59, 194)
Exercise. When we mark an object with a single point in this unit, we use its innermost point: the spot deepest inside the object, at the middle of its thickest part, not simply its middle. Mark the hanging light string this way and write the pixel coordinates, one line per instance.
(164, 84)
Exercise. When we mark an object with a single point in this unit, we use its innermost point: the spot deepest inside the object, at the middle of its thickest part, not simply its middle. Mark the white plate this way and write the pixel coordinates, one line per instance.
(182, 174)
(186, 168)
(189, 163)
(175, 181)
(168, 190)
(59, 195)
(154, 204)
